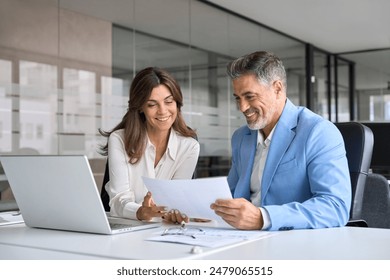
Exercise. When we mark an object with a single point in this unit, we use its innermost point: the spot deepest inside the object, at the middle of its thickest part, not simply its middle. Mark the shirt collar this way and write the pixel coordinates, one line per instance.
(260, 138)
(172, 144)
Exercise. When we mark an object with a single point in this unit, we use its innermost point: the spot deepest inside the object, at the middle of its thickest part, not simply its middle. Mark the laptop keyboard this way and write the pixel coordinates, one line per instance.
(119, 226)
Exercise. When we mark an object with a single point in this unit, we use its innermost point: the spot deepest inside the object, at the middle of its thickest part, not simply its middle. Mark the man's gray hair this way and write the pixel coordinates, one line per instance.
(265, 65)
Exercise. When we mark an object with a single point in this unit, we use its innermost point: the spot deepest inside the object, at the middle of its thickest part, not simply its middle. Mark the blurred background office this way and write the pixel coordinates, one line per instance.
(66, 65)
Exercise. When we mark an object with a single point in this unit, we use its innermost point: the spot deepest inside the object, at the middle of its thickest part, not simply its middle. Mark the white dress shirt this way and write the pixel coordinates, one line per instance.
(257, 174)
(126, 188)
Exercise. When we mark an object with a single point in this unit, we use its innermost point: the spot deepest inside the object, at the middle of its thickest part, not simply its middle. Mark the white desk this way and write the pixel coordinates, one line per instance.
(12, 252)
(21, 242)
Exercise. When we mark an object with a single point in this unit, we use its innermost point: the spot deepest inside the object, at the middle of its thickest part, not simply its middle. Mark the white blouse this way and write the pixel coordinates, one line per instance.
(126, 188)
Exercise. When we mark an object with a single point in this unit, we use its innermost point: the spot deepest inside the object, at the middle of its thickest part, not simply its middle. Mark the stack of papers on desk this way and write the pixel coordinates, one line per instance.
(213, 237)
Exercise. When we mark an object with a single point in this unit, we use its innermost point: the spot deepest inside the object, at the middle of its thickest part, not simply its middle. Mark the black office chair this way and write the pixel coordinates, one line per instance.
(376, 201)
(103, 194)
(359, 143)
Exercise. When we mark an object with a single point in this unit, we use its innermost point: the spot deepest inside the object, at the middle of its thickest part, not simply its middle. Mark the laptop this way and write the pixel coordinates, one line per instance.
(59, 192)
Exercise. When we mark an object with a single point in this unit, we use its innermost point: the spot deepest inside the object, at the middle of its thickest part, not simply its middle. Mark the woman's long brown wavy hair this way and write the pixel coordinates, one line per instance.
(134, 121)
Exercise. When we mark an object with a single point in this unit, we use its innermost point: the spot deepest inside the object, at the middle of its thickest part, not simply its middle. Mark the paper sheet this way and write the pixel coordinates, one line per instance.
(211, 237)
(192, 197)
(10, 217)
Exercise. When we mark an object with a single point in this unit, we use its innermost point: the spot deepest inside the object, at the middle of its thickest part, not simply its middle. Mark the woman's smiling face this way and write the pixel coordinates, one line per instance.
(160, 109)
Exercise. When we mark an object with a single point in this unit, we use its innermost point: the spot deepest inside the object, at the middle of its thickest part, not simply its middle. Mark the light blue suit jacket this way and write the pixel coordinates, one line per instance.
(306, 181)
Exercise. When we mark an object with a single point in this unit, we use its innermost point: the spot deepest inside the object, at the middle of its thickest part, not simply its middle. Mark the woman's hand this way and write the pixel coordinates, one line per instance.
(149, 209)
(174, 216)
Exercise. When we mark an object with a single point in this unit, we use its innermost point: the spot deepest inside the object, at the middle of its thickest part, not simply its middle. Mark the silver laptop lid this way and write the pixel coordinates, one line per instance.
(56, 192)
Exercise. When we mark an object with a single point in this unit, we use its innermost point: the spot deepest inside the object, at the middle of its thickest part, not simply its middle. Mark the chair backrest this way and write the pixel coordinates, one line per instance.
(359, 142)
(376, 202)
(103, 194)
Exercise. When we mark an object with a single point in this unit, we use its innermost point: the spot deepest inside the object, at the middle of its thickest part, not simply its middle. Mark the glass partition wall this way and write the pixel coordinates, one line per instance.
(372, 82)
(372, 72)
(66, 67)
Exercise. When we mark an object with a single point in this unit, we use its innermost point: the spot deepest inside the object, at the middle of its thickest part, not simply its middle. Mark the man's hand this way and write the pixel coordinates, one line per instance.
(239, 213)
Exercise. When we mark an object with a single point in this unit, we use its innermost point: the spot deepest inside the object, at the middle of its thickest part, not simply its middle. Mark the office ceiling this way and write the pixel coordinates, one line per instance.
(332, 25)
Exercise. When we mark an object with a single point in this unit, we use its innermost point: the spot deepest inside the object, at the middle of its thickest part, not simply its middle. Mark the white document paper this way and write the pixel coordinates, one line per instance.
(10, 217)
(192, 197)
(211, 237)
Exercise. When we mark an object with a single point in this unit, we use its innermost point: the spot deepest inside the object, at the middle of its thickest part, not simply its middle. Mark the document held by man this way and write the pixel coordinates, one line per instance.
(192, 197)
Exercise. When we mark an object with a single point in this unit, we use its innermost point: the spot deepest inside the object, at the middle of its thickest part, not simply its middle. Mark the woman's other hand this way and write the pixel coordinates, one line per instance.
(149, 209)
(174, 216)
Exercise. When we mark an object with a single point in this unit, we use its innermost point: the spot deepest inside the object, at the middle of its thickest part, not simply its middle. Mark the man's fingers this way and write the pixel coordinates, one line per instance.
(225, 212)
(224, 206)
(231, 203)
(229, 209)
(223, 202)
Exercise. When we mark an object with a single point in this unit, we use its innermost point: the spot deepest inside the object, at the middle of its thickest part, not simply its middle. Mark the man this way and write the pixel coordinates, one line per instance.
(289, 166)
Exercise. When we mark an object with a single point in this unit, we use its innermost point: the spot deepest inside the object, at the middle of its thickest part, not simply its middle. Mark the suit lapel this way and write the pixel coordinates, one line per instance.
(283, 135)
(248, 150)
(247, 156)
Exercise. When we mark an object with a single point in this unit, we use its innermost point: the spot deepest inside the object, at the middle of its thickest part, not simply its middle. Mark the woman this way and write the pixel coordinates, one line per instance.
(152, 140)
